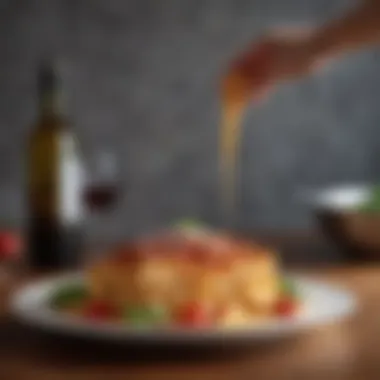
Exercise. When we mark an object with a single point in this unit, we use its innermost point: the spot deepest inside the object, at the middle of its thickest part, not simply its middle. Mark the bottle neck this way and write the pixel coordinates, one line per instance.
(49, 88)
(50, 104)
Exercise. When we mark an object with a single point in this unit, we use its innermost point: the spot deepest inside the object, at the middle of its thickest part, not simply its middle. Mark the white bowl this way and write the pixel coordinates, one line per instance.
(337, 211)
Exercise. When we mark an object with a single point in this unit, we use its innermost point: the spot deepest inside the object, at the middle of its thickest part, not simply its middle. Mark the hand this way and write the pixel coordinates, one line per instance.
(276, 58)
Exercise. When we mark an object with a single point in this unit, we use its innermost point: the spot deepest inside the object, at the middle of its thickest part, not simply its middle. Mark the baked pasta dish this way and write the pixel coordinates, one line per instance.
(186, 277)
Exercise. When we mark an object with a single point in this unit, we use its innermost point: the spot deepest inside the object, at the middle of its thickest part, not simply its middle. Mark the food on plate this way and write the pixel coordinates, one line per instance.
(188, 277)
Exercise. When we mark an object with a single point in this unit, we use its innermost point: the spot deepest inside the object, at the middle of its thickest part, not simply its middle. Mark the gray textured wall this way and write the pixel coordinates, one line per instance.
(142, 78)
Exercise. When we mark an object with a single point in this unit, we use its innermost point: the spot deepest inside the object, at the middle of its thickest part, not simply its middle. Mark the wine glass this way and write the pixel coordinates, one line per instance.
(100, 197)
(102, 185)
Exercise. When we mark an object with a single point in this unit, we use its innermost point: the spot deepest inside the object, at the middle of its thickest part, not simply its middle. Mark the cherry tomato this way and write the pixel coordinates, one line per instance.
(10, 245)
(98, 310)
(193, 315)
(286, 307)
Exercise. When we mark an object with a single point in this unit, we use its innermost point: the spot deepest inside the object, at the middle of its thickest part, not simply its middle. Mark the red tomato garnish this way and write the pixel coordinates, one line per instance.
(286, 307)
(193, 315)
(10, 245)
(99, 310)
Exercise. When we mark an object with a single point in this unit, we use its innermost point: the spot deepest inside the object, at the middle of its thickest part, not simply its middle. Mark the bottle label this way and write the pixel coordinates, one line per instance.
(71, 182)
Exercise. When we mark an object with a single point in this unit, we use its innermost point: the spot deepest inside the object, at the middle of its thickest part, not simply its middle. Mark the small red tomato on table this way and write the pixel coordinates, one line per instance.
(10, 246)
(10, 252)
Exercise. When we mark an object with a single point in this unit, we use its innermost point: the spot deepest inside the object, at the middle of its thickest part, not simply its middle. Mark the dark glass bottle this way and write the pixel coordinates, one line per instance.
(55, 181)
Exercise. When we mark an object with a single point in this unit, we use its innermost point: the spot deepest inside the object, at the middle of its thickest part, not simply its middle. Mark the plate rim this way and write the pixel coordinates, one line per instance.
(49, 320)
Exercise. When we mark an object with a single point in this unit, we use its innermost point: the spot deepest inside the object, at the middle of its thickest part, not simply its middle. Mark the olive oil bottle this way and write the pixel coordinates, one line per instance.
(55, 181)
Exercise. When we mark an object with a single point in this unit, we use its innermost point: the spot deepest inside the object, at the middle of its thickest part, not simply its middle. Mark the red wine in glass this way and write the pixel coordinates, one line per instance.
(101, 196)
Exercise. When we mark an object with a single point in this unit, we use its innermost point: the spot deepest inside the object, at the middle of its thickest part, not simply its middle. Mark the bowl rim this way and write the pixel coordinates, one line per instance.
(338, 197)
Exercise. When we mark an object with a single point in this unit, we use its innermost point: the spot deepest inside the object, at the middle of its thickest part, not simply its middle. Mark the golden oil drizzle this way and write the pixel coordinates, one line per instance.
(234, 97)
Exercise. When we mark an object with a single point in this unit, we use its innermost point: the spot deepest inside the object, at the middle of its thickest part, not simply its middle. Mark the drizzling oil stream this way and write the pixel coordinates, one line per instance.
(234, 95)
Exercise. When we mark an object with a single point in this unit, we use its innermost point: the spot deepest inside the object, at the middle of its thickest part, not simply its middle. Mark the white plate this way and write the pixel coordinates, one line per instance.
(323, 304)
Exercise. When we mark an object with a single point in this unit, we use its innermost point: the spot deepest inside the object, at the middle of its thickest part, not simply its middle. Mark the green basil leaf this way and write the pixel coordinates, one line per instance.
(189, 224)
(373, 203)
(68, 295)
(288, 287)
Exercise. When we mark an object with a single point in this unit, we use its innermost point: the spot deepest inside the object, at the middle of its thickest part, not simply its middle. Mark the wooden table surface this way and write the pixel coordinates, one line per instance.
(348, 350)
